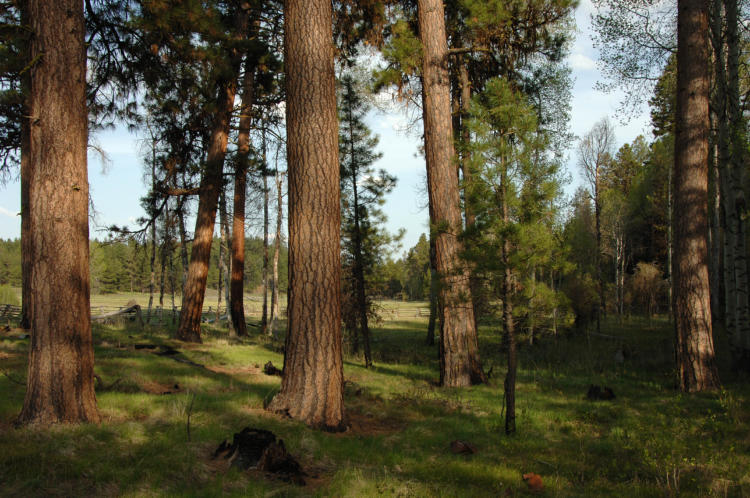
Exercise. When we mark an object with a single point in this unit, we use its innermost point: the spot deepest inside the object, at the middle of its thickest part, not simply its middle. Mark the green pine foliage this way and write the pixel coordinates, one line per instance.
(509, 173)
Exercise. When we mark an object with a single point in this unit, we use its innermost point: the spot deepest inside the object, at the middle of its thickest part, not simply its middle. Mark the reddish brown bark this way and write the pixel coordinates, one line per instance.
(691, 307)
(460, 364)
(312, 385)
(60, 384)
(211, 185)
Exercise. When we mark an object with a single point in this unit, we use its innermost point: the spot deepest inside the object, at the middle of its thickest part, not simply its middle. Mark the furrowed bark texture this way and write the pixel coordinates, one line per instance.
(692, 308)
(460, 364)
(312, 384)
(60, 384)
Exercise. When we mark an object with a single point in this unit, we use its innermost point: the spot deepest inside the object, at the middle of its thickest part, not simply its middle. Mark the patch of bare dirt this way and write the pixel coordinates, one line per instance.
(367, 424)
(153, 387)
(249, 370)
(7, 356)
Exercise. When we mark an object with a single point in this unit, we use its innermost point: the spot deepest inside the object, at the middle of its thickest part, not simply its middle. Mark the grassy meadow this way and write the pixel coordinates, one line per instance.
(649, 441)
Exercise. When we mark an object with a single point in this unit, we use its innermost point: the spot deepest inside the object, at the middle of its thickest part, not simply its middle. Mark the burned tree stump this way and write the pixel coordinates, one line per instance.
(259, 449)
(269, 369)
(597, 393)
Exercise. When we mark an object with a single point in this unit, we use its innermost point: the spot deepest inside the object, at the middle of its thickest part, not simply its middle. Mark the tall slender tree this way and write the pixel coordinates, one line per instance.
(312, 383)
(691, 306)
(363, 241)
(594, 153)
(60, 384)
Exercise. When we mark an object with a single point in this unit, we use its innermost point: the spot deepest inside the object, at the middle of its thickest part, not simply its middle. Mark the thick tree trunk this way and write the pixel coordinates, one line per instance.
(460, 363)
(692, 307)
(60, 383)
(312, 384)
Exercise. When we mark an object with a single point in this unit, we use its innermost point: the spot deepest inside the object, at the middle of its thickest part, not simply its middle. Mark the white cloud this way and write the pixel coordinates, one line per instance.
(581, 62)
(7, 212)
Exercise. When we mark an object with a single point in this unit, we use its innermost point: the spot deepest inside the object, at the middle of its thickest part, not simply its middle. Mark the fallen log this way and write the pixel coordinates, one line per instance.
(130, 309)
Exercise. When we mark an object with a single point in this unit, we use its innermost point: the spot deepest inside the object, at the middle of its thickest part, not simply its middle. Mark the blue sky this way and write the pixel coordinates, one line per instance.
(117, 186)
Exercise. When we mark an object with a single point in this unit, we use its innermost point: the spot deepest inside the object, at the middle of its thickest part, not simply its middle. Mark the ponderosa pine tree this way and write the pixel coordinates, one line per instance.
(60, 383)
(460, 364)
(211, 184)
(313, 379)
(691, 306)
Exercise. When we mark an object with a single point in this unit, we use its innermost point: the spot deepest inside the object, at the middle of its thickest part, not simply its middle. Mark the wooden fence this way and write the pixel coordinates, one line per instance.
(253, 309)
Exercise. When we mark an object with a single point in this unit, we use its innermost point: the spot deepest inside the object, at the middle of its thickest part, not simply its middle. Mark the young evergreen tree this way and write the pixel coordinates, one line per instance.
(513, 195)
(363, 241)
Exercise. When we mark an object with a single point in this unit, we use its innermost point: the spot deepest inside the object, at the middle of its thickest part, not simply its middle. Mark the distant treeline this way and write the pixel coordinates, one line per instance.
(124, 266)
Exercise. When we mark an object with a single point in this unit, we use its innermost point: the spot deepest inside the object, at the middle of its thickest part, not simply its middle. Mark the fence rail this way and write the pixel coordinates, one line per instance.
(253, 309)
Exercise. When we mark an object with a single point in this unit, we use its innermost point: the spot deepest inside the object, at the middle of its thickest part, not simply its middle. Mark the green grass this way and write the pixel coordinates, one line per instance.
(650, 441)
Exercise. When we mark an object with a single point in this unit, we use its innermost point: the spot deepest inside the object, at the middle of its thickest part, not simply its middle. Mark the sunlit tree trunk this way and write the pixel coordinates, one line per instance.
(312, 383)
(276, 250)
(692, 308)
(60, 382)
(460, 364)
(210, 189)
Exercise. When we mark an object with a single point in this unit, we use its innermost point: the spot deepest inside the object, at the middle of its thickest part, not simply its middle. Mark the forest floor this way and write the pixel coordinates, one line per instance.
(649, 441)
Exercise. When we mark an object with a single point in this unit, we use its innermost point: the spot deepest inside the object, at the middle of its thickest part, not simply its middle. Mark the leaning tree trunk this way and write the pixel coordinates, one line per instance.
(312, 383)
(210, 188)
(692, 307)
(460, 364)
(60, 383)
